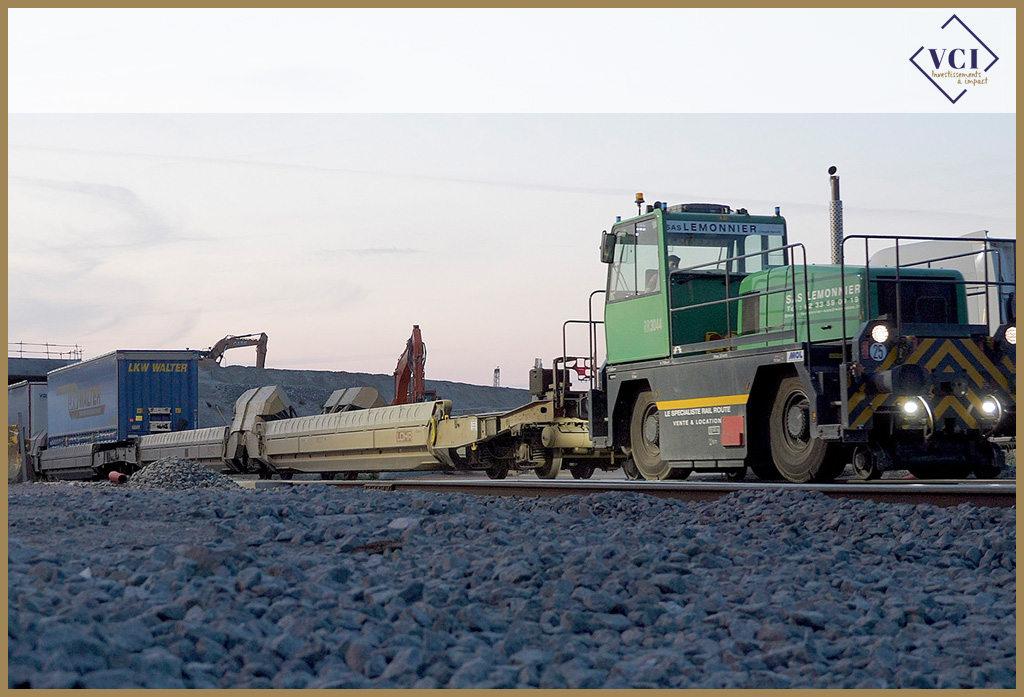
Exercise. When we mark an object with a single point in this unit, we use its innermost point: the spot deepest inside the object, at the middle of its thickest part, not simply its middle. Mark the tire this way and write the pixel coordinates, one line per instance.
(865, 465)
(581, 470)
(645, 439)
(798, 456)
(990, 467)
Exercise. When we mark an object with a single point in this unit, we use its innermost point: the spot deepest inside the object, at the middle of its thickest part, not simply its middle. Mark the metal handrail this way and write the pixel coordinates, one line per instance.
(986, 284)
(791, 287)
(44, 350)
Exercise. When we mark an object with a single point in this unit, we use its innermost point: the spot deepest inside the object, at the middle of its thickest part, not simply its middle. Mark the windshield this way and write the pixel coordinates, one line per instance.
(703, 248)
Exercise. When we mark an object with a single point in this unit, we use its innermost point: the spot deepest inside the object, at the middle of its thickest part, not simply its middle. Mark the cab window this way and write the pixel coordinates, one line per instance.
(636, 269)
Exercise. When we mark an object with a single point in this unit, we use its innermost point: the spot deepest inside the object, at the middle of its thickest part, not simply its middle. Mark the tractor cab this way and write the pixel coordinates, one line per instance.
(672, 269)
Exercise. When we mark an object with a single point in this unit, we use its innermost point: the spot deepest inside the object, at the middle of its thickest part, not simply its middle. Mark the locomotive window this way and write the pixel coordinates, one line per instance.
(921, 301)
(636, 269)
(695, 249)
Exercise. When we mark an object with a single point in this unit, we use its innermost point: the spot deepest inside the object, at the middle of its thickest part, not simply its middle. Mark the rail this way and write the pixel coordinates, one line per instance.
(986, 493)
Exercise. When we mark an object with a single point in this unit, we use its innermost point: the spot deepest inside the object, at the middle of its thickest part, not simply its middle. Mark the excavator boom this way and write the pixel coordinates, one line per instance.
(216, 353)
(410, 383)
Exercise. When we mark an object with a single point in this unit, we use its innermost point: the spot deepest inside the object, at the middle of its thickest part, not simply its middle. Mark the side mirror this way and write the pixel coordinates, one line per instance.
(607, 247)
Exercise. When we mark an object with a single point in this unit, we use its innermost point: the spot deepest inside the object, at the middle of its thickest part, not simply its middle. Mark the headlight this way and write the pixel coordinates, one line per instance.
(1011, 335)
(992, 410)
(879, 333)
(911, 407)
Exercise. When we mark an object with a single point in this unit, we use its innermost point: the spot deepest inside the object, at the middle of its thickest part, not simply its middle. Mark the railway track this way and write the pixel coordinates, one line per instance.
(989, 493)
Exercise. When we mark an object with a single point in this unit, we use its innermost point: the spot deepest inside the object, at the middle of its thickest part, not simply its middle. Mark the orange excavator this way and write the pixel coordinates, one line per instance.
(216, 353)
(410, 385)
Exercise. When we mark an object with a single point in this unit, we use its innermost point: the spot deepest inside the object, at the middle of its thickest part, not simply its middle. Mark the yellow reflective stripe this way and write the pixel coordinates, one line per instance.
(953, 403)
(949, 349)
(1009, 365)
(856, 399)
(987, 364)
(923, 348)
(704, 402)
(866, 414)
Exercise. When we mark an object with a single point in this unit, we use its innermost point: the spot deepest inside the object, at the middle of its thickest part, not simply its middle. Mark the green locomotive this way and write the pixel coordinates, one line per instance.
(727, 351)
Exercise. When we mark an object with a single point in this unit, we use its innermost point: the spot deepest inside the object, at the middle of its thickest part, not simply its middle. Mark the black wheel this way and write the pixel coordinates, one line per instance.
(989, 467)
(629, 469)
(645, 439)
(550, 468)
(497, 471)
(581, 470)
(798, 456)
(737, 475)
(865, 465)
(286, 476)
(327, 476)
(349, 476)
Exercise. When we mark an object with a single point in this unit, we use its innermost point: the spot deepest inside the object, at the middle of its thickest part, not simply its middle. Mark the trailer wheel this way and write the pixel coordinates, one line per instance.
(645, 438)
(550, 468)
(798, 456)
(581, 470)
(497, 471)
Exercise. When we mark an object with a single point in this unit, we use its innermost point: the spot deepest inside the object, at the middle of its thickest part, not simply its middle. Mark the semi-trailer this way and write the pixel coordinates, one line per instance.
(98, 409)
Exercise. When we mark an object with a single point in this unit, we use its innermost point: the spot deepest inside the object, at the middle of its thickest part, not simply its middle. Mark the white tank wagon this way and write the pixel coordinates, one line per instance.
(205, 446)
(394, 438)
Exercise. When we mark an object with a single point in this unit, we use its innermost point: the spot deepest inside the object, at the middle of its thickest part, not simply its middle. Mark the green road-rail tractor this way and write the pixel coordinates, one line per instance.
(727, 351)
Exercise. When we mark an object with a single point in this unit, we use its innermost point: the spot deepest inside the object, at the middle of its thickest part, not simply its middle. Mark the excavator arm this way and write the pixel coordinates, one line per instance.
(410, 383)
(216, 353)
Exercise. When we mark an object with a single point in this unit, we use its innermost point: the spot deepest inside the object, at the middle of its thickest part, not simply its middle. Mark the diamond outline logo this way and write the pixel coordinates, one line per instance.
(939, 87)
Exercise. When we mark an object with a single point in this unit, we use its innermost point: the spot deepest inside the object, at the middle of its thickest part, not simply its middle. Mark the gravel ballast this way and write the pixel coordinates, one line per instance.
(151, 586)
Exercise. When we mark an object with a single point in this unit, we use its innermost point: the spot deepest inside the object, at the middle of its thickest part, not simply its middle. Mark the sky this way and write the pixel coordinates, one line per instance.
(191, 216)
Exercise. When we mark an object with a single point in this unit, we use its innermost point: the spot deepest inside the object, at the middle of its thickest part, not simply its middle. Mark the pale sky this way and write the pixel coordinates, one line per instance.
(335, 232)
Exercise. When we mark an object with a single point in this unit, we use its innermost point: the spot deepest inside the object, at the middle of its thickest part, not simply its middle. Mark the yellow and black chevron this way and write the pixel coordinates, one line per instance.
(984, 375)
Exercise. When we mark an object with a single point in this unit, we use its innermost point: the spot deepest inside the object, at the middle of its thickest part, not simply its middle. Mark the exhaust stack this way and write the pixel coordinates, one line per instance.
(835, 216)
